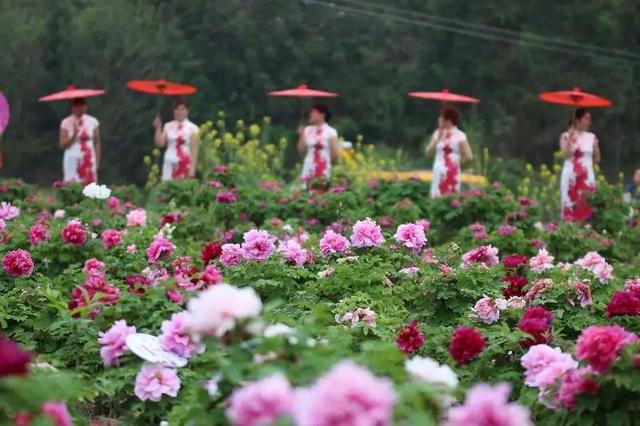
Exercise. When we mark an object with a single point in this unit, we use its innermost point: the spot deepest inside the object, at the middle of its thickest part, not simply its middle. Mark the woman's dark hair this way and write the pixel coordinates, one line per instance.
(324, 110)
(78, 101)
(580, 112)
(450, 113)
(180, 102)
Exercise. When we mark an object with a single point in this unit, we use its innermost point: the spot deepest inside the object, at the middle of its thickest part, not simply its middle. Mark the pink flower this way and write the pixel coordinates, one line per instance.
(486, 256)
(412, 270)
(539, 287)
(332, 242)
(113, 203)
(600, 345)
(486, 405)
(538, 244)
(507, 230)
(487, 310)
(174, 296)
(38, 233)
(153, 381)
(541, 261)
(111, 238)
(574, 383)
(18, 263)
(258, 245)
(347, 395)
(426, 225)
(454, 204)
(220, 169)
(74, 233)
(8, 212)
(158, 248)
(366, 233)
(57, 413)
(131, 248)
(583, 293)
(231, 254)
(176, 338)
(477, 227)
(428, 257)
(411, 235)
(544, 365)
(516, 302)
(261, 402)
(137, 217)
(293, 253)
(112, 342)
(226, 197)
(211, 275)
(597, 265)
(603, 271)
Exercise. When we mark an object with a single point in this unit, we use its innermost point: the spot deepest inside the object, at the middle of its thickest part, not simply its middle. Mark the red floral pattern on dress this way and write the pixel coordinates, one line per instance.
(182, 168)
(85, 164)
(320, 163)
(449, 180)
(580, 209)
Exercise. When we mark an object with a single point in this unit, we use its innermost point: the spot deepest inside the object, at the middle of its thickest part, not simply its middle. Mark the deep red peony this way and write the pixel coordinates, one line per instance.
(410, 339)
(466, 344)
(536, 321)
(626, 302)
(514, 261)
(13, 360)
(74, 233)
(18, 263)
(170, 218)
(211, 251)
(515, 286)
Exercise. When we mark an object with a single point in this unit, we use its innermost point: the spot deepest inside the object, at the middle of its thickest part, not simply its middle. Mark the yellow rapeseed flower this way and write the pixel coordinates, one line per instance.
(254, 130)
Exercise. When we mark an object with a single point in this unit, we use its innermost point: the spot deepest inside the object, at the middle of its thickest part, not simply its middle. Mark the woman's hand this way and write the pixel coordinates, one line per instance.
(157, 123)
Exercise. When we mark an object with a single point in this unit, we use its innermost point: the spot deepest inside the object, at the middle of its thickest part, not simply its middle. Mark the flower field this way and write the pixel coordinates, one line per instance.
(365, 304)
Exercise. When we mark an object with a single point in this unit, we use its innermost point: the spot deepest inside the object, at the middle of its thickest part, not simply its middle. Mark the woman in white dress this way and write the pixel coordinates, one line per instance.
(80, 140)
(580, 149)
(318, 142)
(451, 149)
(181, 137)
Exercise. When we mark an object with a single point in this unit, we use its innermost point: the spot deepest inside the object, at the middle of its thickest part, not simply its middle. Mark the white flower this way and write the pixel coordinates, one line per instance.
(278, 330)
(428, 370)
(59, 214)
(218, 309)
(287, 228)
(211, 385)
(93, 190)
(501, 304)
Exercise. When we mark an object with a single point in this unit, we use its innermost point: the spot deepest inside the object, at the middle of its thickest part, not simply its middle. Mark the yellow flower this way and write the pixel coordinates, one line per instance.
(155, 152)
(266, 120)
(254, 130)
(147, 160)
(221, 114)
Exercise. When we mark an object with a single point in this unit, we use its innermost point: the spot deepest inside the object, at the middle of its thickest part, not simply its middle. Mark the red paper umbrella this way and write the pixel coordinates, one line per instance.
(161, 87)
(303, 91)
(71, 93)
(445, 96)
(575, 98)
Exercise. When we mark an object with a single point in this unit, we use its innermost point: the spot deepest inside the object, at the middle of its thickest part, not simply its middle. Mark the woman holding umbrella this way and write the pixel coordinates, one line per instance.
(80, 140)
(451, 149)
(318, 142)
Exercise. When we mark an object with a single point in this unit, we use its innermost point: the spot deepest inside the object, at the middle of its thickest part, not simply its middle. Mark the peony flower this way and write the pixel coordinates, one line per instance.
(544, 365)
(600, 345)
(258, 245)
(466, 344)
(366, 233)
(210, 251)
(426, 225)
(626, 302)
(211, 275)
(411, 236)
(74, 233)
(13, 360)
(226, 197)
(597, 265)
(170, 218)
(293, 253)
(410, 339)
(158, 248)
(131, 248)
(38, 233)
(333, 242)
(95, 191)
(218, 309)
(112, 342)
(261, 402)
(59, 214)
(111, 238)
(231, 254)
(486, 256)
(541, 261)
(412, 270)
(430, 371)
(516, 303)
(276, 330)
(347, 395)
(536, 321)
(515, 287)
(486, 310)
(539, 287)
(18, 263)
(175, 336)
(8, 211)
(583, 293)
(486, 405)
(113, 203)
(574, 383)
(57, 413)
(153, 381)
(538, 244)
(137, 217)
(514, 261)
(507, 230)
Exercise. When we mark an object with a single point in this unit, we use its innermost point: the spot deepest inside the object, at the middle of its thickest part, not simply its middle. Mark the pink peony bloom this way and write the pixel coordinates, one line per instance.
(258, 245)
(8, 212)
(18, 263)
(574, 383)
(211, 275)
(411, 270)
(57, 413)
(111, 238)
(158, 248)
(486, 405)
(231, 254)
(366, 233)
(226, 197)
(597, 265)
(293, 253)
(544, 365)
(426, 225)
(74, 233)
(541, 261)
(486, 256)
(507, 230)
(137, 217)
(176, 338)
(332, 242)
(583, 294)
(131, 248)
(539, 287)
(487, 310)
(600, 345)
(347, 395)
(113, 203)
(538, 244)
(261, 402)
(38, 233)
(112, 342)
(477, 227)
(516, 302)
(153, 381)
(411, 236)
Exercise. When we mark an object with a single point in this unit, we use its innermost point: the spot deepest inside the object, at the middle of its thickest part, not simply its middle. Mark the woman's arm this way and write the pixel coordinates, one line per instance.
(465, 152)
(334, 149)
(596, 151)
(65, 140)
(431, 147)
(565, 146)
(159, 138)
(195, 147)
(302, 143)
(97, 146)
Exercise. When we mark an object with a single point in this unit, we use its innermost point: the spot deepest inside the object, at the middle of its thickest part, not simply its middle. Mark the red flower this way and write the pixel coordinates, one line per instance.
(74, 233)
(410, 339)
(626, 302)
(170, 218)
(516, 284)
(137, 283)
(466, 344)
(226, 197)
(13, 360)
(514, 261)
(536, 321)
(18, 263)
(211, 251)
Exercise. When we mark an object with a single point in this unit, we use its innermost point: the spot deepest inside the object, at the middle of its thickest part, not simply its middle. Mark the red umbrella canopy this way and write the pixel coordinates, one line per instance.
(71, 93)
(445, 96)
(303, 91)
(161, 87)
(575, 98)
